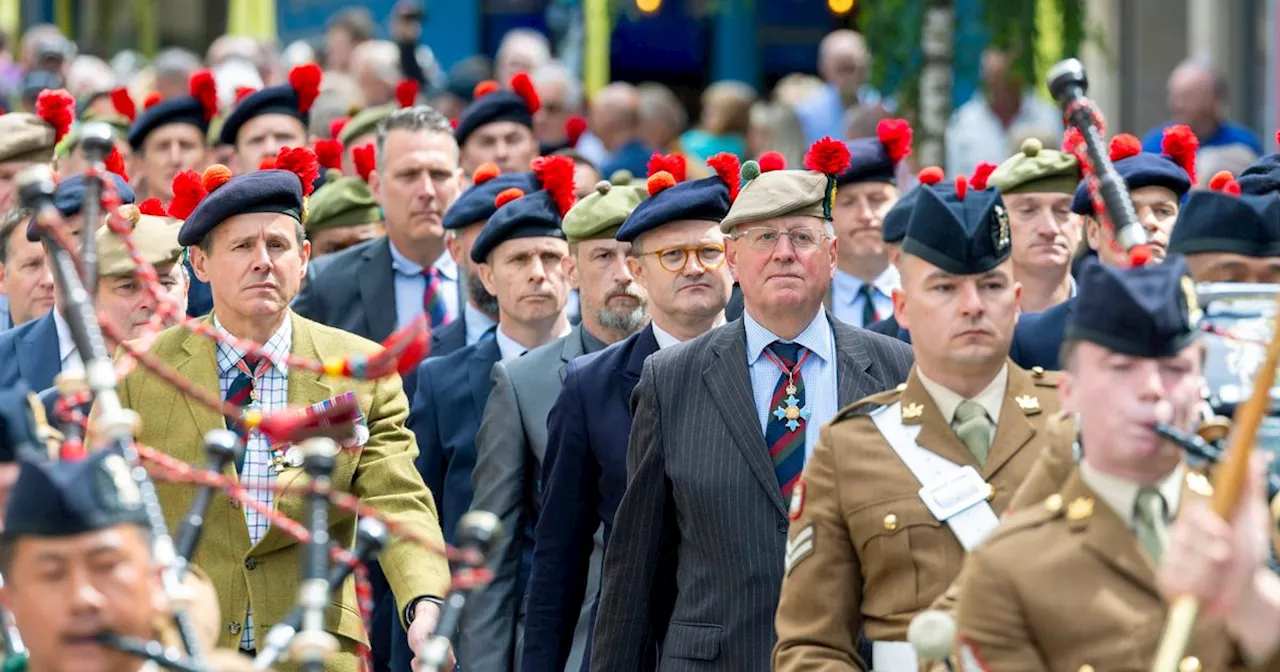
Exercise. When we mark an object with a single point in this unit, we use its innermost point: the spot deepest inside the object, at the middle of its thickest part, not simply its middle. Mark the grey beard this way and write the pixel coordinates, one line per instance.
(486, 302)
(625, 323)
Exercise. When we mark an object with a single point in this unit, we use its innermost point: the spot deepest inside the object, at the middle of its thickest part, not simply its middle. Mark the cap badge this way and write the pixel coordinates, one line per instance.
(1194, 314)
(1001, 230)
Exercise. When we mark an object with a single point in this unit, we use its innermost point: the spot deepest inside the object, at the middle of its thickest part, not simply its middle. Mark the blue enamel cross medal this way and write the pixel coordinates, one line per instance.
(791, 410)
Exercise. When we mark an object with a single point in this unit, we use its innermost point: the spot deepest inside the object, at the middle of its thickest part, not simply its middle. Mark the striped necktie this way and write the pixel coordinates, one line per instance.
(432, 301)
(869, 314)
(242, 392)
(788, 417)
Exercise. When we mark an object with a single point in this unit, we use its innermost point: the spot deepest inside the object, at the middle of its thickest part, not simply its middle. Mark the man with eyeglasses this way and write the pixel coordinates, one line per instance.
(677, 256)
(722, 427)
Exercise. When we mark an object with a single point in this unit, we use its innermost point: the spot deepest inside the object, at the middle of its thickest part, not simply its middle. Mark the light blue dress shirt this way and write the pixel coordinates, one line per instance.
(410, 286)
(6, 323)
(477, 323)
(846, 302)
(821, 389)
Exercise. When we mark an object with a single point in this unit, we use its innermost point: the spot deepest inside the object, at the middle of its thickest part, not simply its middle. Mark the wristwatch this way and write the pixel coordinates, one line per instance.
(412, 607)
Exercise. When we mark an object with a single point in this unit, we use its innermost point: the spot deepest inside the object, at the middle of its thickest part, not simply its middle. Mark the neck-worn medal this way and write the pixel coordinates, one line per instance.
(790, 409)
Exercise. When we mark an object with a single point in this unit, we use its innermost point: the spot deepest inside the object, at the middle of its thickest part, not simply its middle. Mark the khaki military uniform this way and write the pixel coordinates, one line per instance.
(864, 551)
(1066, 587)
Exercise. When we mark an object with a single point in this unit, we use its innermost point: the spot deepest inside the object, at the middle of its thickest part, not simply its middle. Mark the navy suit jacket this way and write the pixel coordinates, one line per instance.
(890, 327)
(29, 353)
(445, 416)
(584, 475)
(1037, 340)
(199, 295)
(450, 338)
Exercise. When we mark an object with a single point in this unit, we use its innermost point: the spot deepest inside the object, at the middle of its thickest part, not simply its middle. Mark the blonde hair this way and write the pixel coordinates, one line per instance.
(726, 107)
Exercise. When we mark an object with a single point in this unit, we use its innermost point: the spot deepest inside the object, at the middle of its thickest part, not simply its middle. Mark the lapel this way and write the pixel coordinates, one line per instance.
(1107, 536)
(826, 300)
(38, 357)
(479, 369)
(853, 362)
(571, 349)
(729, 384)
(199, 365)
(1014, 430)
(936, 435)
(378, 290)
(631, 366)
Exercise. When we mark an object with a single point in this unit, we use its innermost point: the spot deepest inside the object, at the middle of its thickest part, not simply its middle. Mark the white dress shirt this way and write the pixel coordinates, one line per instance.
(68, 355)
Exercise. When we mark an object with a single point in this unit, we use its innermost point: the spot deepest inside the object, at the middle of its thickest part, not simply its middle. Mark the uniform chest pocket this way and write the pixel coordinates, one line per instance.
(908, 557)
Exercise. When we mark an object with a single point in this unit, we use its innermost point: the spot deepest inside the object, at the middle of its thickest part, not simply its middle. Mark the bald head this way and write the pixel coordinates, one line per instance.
(615, 114)
(376, 65)
(522, 50)
(843, 60)
(1196, 93)
(662, 117)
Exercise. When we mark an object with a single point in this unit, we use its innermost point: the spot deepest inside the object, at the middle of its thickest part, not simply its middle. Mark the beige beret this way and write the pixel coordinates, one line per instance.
(25, 137)
(778, 193)
(155, 237)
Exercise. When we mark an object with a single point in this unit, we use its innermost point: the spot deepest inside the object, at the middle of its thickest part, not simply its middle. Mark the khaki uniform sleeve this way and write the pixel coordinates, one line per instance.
(387, 480)
(1047, 475)
(820, 610)
(991, 630)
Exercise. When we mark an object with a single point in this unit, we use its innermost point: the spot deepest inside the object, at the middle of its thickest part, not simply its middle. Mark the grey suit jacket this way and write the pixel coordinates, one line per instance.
(694, 565)
(509, 449)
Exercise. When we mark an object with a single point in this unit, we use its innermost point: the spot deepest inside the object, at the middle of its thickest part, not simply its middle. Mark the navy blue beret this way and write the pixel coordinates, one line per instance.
(478, 203)
(181, 110)
(1140, 170)
(706, 199)
(68, 198)
(960, 236)
(263, 191)
(17, 423)
(279, 99)
(501, 105)
(1140, 311)
(532, 216)
(1263, 177)
(868, 162)
(1212, 221)
(63, 498)
(894, 225)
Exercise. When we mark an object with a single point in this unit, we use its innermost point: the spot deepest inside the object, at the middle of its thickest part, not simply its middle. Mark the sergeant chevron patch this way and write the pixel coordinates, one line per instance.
(800, 547)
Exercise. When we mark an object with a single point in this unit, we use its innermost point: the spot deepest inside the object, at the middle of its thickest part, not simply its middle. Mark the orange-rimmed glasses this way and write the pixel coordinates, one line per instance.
(674, 259)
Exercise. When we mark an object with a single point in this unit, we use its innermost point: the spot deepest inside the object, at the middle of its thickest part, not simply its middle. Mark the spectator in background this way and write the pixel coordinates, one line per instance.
(339, 94)
(44, 48)
(376, 66)
(173, 69)
(462, 79)
(561, 95)
(615, 120)
(88, 78)
(981, 129)
(844, 63)
(775, 127)
(297, 53)
(1231, 158)
(10, 71)
(346, 31)
(1198, 98)
(723, 126)
(25, 276)
(522, 50)
(793, 89)
(33, 83)
(662, 117)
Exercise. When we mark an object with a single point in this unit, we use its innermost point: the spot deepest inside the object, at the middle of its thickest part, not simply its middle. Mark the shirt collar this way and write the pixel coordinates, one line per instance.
(447, 267)
(511, 349)
(815, 338)
(66, 344)
(477, 323)
(406, 266)
(277, 347)
(1122, 495)
(848, 284)
(991, 398)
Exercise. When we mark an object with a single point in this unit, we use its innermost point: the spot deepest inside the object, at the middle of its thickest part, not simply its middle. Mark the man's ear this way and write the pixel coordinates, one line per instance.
(569, 266)
(198, 261)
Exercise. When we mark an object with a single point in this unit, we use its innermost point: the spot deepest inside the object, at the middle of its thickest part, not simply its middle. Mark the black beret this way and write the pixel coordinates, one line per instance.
(63, 498)
(294, 99)
(263, 191)
(181, 110)
(1140, 170)
(960, 235)
(1263, 177)
(876, 159)
(68, 198)
(1142, 311)
(533, 216)
(1213, 221)
(17, 423)
(706, 199)
(517, 104)
(478, 203)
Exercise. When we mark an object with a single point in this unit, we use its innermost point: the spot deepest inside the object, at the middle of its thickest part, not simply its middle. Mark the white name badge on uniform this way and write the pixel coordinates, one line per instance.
(956, 492)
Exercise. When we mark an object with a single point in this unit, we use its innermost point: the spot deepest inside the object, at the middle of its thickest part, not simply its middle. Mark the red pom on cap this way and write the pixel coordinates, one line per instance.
(123, 102)
(827, 156)
(574, 127)
(727, 169)
(188, 191)
(555, 173)
(484, 88)
(267, 162)
(486, 172)
(153, 207)
(659, 182)
(366, 158)
(204, 89)
(1140, 255)
(962, 186)
(507, 195)
(305, 80)
(329, 154)
(58, 109)
(300, 161)
(674, 164)
(243, 92)
(930, 175)
(114, 163)
(1124, 146)
(336, 126)
(151, 100)
(407, 92)
(982, 173)
(1220, 180)
(523, 86)
(771, 161)
(215, 176)
(1180, 144)
(895, 135)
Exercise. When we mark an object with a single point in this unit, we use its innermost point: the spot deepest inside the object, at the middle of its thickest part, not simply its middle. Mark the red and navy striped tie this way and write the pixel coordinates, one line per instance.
(249, 369)
(785, 436)
(432, 302)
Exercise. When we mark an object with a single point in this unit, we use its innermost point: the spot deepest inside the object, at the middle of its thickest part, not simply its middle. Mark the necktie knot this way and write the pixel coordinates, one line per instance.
(1150, 505)
(969, 410)
(973, 429)
(789, 353)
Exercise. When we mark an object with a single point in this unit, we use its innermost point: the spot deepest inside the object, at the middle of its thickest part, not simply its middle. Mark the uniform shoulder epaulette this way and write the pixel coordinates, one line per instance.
(1042, 378)
(1029, 518)
(867, 405)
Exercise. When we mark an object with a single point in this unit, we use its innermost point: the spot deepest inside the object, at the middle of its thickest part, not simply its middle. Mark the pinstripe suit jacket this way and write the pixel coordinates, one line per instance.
(693, 568)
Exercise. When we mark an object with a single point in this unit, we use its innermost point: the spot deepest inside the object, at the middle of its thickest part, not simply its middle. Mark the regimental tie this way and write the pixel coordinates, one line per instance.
(1149, 522)
(785, 431)
(869, 314)
(432, 301)
(973, 427)
(243, 392)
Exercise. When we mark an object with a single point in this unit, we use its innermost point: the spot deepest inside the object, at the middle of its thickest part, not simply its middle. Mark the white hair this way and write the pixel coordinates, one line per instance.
(232, 74)
(553, 71)
(525, 37)
(382, 57)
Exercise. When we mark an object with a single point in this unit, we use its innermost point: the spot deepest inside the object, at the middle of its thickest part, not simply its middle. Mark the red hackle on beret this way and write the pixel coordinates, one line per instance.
(243, 92)
(895, 135)
(205, 90)
(981, 174)
(1124, 146)
(675, 164)
(114, 163)
(300, 161)
(153, 207)
(366, 158)
(727, 168)
(329, 154)
(188, 191)
(123, 102)
(1181, 144)
(827, 156)
(555, 173)
(305, 80)
(574, 128)
(58, 109)
(151, 100)
(523, 86)
(336, 126)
